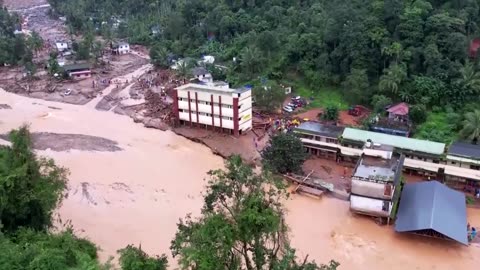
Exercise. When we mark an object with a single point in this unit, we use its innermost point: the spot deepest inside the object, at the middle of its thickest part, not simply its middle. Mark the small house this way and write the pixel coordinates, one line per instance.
(17, 30)
(61, 46)
(202, 74)
(207, 59)
(474, 46)
(155, 30)
(120, 48)
(398, 112)
(78, 71)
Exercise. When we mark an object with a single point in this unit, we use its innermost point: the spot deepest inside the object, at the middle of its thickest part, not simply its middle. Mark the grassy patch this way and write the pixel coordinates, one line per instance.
(323, 97)
(438, 127)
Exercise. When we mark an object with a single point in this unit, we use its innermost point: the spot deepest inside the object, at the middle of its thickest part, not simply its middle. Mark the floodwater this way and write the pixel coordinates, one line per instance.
(137, 195)
(325, 229)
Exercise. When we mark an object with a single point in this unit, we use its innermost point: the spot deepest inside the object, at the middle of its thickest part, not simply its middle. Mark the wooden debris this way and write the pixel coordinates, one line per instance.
(304, 179)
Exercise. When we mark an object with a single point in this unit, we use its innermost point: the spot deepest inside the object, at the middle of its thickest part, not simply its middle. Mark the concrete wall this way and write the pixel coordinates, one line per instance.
(371, 189)
(377, 153)
(369, 206)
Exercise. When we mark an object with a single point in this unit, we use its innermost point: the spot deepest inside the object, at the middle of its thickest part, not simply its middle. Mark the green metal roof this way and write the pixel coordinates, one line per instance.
(395, 141)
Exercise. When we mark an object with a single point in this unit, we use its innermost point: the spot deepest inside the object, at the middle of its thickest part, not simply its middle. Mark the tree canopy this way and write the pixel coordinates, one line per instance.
(30, 187)
(269, 96)
(284, 153)
(241, 227)
(14, 48)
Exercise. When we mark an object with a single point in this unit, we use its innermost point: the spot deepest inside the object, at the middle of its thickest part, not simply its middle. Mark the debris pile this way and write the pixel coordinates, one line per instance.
(156, 107)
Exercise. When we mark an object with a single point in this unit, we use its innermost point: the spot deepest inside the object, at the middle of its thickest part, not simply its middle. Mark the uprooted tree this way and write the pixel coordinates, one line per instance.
(242, 225)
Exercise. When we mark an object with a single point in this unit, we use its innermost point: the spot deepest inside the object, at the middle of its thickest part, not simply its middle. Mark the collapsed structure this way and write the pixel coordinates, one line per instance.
(218, 108)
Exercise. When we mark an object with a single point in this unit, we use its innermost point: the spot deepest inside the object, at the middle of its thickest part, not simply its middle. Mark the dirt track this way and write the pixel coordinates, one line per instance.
(21, 4)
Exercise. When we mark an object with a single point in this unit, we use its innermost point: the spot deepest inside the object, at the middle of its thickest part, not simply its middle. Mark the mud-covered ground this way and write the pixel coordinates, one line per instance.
(65, 142)
(21, 4)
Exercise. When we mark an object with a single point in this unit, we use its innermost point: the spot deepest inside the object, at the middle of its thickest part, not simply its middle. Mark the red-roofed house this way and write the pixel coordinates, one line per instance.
(398, 112)
(474, 46)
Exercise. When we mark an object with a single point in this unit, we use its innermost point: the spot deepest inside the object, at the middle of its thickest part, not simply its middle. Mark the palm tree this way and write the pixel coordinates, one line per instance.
(405, 95)
(35, 42)
(471, 126)
(250, 60)
(470, 77)
(183, 69)
(394, 76)
(97, 50)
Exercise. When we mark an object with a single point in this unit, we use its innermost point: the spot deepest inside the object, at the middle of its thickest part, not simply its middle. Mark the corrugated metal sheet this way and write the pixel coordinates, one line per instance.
(423, 146)
(463, 149)
(433, 206)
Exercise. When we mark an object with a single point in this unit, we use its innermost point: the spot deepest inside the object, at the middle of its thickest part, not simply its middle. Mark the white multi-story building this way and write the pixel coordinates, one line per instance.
(220, 108)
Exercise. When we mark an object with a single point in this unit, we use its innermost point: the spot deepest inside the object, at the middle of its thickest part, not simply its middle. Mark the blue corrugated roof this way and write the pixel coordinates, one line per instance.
(433, 206)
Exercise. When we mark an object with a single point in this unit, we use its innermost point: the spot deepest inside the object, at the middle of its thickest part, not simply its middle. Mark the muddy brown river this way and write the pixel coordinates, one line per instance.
(137, 195)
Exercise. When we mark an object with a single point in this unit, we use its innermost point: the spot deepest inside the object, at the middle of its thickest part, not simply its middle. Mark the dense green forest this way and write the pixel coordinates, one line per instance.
(373, 51)
(16, 49)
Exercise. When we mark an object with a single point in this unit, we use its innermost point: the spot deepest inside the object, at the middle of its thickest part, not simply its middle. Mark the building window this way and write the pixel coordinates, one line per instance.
(475, 167)
(330, 140)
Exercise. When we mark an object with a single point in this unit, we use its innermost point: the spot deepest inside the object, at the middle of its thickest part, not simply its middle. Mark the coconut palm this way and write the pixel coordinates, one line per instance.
(392, 78)
(470, 77)
(251, 61)
(183, 69)
(471, 126)
(35, 42)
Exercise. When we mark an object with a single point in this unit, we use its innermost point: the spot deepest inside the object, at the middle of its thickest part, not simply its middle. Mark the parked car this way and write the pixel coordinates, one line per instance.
(292, 105)
(288, 109)
(296, 98)
(301, 102)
